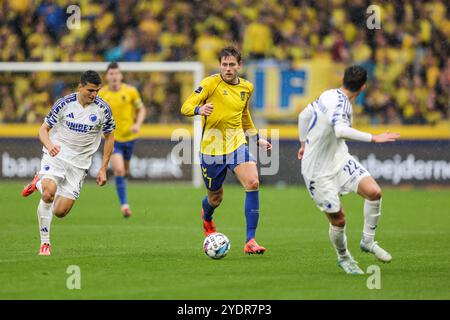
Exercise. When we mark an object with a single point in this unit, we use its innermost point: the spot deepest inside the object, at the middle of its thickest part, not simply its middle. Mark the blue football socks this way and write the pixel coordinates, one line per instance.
(121, 188)
(251, 212)
(208, 209)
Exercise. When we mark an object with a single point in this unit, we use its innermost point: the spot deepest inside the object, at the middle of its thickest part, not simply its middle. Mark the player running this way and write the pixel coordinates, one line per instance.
(222, 99)
(129, 114)
(71, 134)
(330, 171)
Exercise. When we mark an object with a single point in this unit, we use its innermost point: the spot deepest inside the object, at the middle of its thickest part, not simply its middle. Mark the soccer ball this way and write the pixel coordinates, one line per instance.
(216, 245)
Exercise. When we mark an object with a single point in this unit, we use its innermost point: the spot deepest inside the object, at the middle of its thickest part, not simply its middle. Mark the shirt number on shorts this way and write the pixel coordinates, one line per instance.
(205, 175)
(351, 167)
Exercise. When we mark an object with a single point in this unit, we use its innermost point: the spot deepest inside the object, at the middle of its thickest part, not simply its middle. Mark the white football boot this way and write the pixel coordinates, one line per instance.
(376, 250)
(349, 265)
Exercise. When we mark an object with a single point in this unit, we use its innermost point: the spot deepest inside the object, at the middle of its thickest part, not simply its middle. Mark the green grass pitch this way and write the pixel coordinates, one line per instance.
(157, 254)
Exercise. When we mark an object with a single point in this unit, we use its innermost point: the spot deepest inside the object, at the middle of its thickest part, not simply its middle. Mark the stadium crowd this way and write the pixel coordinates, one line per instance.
(407, 58)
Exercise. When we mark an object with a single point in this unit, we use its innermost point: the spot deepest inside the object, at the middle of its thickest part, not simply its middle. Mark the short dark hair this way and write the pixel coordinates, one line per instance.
(90, 76)
(112, 65)
(354, 78)
(229, 51)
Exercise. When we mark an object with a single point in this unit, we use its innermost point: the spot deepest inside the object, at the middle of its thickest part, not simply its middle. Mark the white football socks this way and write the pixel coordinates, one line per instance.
(372, 213)
(45, 215)
(339, 240)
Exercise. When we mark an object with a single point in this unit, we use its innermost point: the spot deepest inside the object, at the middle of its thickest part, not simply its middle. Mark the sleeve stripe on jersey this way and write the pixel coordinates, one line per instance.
(103, 105)
(52, 117)
(347, 106)
(109, 124)
(109, 127)
(342, 111)
(313, 122)
(346, 103)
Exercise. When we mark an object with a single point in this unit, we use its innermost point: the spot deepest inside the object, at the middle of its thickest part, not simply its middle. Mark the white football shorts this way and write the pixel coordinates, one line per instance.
(326, 191)
(68, 178)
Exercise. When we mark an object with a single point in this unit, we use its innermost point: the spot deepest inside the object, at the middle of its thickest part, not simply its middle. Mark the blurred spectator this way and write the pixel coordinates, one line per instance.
(257, 41)
(130, 47)
(208, 45)
(407, 59)
(55, 18)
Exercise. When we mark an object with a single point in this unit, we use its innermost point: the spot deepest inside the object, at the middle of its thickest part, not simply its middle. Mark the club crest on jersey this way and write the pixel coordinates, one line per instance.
(93, 117)
(242, 95)
(46, 167)
(225, 93)
(199, 89)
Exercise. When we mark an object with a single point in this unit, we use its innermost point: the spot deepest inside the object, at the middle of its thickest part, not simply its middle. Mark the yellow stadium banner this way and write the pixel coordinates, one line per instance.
(282, 90)
(153, 131)
(286, 132)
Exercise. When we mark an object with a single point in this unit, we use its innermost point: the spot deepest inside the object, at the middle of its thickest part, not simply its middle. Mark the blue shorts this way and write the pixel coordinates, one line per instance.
(124, 148)
(214, 168)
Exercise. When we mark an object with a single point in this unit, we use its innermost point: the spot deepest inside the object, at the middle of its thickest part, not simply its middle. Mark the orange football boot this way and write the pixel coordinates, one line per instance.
(208, 226)
(31, 187)
(252, 247)
(44, 250)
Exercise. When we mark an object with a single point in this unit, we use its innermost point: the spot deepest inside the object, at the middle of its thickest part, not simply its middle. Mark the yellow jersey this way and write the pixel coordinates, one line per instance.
(223, 130)
(124, 104)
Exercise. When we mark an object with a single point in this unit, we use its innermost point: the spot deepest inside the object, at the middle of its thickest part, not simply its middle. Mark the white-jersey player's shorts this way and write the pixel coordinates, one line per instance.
(326, 191)
(68, 178)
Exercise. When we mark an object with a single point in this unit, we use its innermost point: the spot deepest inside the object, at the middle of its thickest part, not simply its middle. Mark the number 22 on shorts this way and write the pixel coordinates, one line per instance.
(351, 167)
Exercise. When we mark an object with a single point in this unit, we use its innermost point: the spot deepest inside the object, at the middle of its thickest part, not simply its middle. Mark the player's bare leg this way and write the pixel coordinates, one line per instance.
(126, 164)
(339, 240)
(62, 206)
(247, 175)
(120, 168)
(210, 203)
(369, 189)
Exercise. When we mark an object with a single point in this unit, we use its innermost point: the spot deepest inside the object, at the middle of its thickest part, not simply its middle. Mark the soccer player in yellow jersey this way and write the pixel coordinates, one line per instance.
(223, 101)
(129, 113)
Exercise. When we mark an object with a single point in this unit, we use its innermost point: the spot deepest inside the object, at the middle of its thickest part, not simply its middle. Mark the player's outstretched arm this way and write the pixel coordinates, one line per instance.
(349, 133)
(53, 149)
(385, 137)
(107, 151)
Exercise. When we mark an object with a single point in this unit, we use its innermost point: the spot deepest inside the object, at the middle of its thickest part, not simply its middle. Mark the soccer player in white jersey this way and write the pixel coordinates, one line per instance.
(330, 171)
(71, 134)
